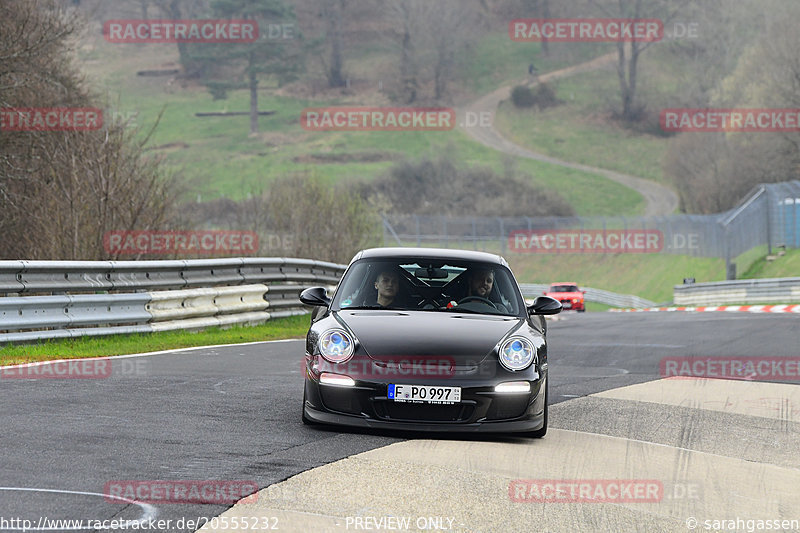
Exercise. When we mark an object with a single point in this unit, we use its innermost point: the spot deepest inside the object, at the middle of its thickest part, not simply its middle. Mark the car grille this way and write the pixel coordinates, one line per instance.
(420, 412)
(342, 400)
(507, 408)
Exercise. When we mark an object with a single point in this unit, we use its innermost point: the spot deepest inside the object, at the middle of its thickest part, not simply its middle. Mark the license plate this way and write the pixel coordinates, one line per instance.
(424, 394)
(566, 305)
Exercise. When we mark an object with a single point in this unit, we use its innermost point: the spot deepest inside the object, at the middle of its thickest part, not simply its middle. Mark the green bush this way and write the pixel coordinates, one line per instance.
(544, 96)
(541, 96)
(522, 96)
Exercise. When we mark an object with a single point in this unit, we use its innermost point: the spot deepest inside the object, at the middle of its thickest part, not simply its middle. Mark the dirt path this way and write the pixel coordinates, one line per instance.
(660, 199)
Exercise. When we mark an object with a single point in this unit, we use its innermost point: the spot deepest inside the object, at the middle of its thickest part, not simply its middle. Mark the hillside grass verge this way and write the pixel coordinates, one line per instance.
(279, 328)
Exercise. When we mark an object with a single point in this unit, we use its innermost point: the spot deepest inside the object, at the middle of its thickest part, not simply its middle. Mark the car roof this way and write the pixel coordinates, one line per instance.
(564, 283)
(429, 253)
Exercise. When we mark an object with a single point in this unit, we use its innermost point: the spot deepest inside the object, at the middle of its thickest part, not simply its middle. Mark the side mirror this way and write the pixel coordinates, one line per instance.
(544, 305)
(316, 296)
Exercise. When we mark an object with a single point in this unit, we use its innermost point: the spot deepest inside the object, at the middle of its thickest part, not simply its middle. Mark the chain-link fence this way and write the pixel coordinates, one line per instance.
(768, 217)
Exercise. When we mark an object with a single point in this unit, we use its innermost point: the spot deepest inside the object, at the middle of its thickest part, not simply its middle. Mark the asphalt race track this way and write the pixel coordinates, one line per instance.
(233, 413)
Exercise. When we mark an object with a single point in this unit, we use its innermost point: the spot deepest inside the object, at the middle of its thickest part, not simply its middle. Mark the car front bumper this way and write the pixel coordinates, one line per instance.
(481, 409)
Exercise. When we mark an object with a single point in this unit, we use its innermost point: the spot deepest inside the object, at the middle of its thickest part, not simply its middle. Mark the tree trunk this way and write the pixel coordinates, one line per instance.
(631, 112)
(407, 75)
(627, 72)
(545, 15)
(335, 75)
(191, 68)
(253, 103)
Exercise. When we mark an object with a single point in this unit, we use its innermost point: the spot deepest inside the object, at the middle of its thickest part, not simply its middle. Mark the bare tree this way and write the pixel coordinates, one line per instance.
(327, 222)
(182, 9)
(431, 35)
(61, 190)
(334, 12)
(712, 171)
(629, 54)
(538, 9)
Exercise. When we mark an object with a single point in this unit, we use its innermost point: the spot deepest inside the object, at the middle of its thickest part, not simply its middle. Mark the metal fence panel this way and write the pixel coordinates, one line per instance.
(769, 215)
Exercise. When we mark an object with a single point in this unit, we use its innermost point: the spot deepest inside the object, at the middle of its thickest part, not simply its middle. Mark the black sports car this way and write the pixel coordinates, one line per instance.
(427, 339)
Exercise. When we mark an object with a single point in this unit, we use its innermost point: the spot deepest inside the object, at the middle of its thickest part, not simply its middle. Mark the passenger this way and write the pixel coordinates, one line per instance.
(388, 284)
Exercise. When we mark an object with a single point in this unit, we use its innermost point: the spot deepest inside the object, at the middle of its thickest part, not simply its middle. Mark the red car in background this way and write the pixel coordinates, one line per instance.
(570, 296)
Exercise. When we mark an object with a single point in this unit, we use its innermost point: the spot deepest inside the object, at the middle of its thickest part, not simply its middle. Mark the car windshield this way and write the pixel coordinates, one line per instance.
(436, 286)
(564, 288)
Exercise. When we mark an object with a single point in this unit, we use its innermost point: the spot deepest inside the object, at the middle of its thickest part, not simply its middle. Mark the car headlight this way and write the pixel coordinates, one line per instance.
(517, 353)
(336, 345)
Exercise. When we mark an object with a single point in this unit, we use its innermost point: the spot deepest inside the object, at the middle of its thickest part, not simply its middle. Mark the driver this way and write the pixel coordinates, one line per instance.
(480, 282)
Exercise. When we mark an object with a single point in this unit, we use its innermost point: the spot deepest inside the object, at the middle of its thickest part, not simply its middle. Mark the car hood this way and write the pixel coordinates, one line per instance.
(467, 338)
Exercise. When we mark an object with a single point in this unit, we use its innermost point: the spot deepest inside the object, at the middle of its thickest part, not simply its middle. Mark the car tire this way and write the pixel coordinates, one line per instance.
(581, 310)
(539, 433)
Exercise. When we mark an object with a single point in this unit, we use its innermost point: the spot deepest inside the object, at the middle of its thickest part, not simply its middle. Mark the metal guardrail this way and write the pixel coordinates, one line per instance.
(58, 299)
(90, 276)
(204, 293)
(748, 291)
(531, 290)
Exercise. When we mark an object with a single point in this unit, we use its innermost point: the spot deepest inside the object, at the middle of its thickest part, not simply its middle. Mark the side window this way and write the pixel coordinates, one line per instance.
(505, 292)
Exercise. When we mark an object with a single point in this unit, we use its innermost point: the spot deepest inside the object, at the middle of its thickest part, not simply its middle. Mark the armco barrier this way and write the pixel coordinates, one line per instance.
(24, 277)
(80, 298)
(746, 291)
(532, 290)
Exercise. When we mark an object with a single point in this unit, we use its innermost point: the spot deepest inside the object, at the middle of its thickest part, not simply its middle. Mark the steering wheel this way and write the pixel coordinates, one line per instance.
(476, 299)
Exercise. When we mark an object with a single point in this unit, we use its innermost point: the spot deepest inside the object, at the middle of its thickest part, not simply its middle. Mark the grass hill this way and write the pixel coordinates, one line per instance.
(217, 157)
